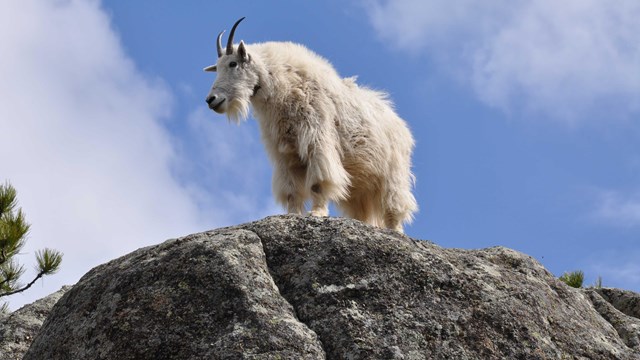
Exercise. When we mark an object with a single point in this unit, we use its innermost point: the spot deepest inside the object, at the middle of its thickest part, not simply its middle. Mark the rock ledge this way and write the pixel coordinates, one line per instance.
(291, 287)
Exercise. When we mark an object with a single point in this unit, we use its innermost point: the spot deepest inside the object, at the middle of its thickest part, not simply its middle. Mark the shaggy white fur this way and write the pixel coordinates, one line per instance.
(328, 138)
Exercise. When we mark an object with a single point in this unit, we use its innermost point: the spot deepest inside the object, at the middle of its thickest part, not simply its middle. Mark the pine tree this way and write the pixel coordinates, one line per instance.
(13, 233)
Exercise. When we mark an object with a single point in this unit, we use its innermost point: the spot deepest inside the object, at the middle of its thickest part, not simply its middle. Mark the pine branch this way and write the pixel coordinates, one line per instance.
(40, 274)
(48, 263)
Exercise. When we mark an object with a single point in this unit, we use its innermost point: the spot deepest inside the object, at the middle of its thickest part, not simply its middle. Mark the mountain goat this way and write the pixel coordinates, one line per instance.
(327, 138)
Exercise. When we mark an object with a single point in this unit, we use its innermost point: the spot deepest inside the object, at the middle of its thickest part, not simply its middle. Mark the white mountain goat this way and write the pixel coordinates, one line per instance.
(328, 138)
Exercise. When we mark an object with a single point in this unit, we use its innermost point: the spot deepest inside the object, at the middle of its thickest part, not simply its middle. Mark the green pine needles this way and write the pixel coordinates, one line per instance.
(13, 232)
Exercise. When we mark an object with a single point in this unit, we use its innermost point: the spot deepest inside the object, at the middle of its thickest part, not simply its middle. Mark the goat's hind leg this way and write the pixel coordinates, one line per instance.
(359, 206)
(393, 220)
(398, 207)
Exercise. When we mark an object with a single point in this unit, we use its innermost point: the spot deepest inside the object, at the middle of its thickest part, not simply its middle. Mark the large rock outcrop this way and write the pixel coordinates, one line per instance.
(291, 287)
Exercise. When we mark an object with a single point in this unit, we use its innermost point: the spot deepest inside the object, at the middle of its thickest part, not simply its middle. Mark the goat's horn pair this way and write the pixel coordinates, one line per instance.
(229, 41)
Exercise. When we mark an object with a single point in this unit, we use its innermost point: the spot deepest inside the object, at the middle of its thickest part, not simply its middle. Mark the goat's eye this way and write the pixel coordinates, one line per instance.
(233, 64)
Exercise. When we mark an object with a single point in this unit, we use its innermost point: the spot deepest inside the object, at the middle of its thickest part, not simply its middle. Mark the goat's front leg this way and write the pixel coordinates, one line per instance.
(295, 204)
(288, 188)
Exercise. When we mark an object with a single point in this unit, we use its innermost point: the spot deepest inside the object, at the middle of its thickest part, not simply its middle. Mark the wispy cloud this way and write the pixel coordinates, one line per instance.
(435, 25)
(232, 174)
(617, 208)
(561, 59)
(616, 269)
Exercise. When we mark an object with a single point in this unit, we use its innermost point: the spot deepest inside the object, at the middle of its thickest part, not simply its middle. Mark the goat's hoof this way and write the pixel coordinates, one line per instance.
(318, 213)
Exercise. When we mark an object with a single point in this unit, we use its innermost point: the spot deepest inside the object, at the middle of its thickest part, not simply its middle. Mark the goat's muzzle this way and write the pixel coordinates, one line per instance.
(215, 103)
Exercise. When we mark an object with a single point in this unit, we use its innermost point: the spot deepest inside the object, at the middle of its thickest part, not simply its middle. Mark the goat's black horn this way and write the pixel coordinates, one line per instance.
(230, 41)
(219, 43)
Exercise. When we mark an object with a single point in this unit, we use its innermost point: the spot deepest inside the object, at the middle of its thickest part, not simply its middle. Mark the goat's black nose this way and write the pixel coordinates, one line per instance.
(210, 99)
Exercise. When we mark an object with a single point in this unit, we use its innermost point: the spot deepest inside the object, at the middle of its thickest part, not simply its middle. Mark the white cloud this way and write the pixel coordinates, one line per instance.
(564, 59)
(82, 140)
(618, 209)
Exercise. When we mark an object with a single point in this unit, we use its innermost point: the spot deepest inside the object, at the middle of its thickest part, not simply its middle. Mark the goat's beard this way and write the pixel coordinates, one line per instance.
(238, 109)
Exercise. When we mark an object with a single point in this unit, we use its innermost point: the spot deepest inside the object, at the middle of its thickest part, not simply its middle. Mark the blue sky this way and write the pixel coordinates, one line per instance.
(526, 117)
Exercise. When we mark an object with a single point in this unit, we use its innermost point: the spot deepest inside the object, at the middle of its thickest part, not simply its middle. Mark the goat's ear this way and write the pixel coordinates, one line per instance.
(242, 52)
(211, 68)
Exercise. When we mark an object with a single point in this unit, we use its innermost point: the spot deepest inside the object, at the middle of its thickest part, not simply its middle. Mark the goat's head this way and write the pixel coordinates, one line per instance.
(236, 81)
